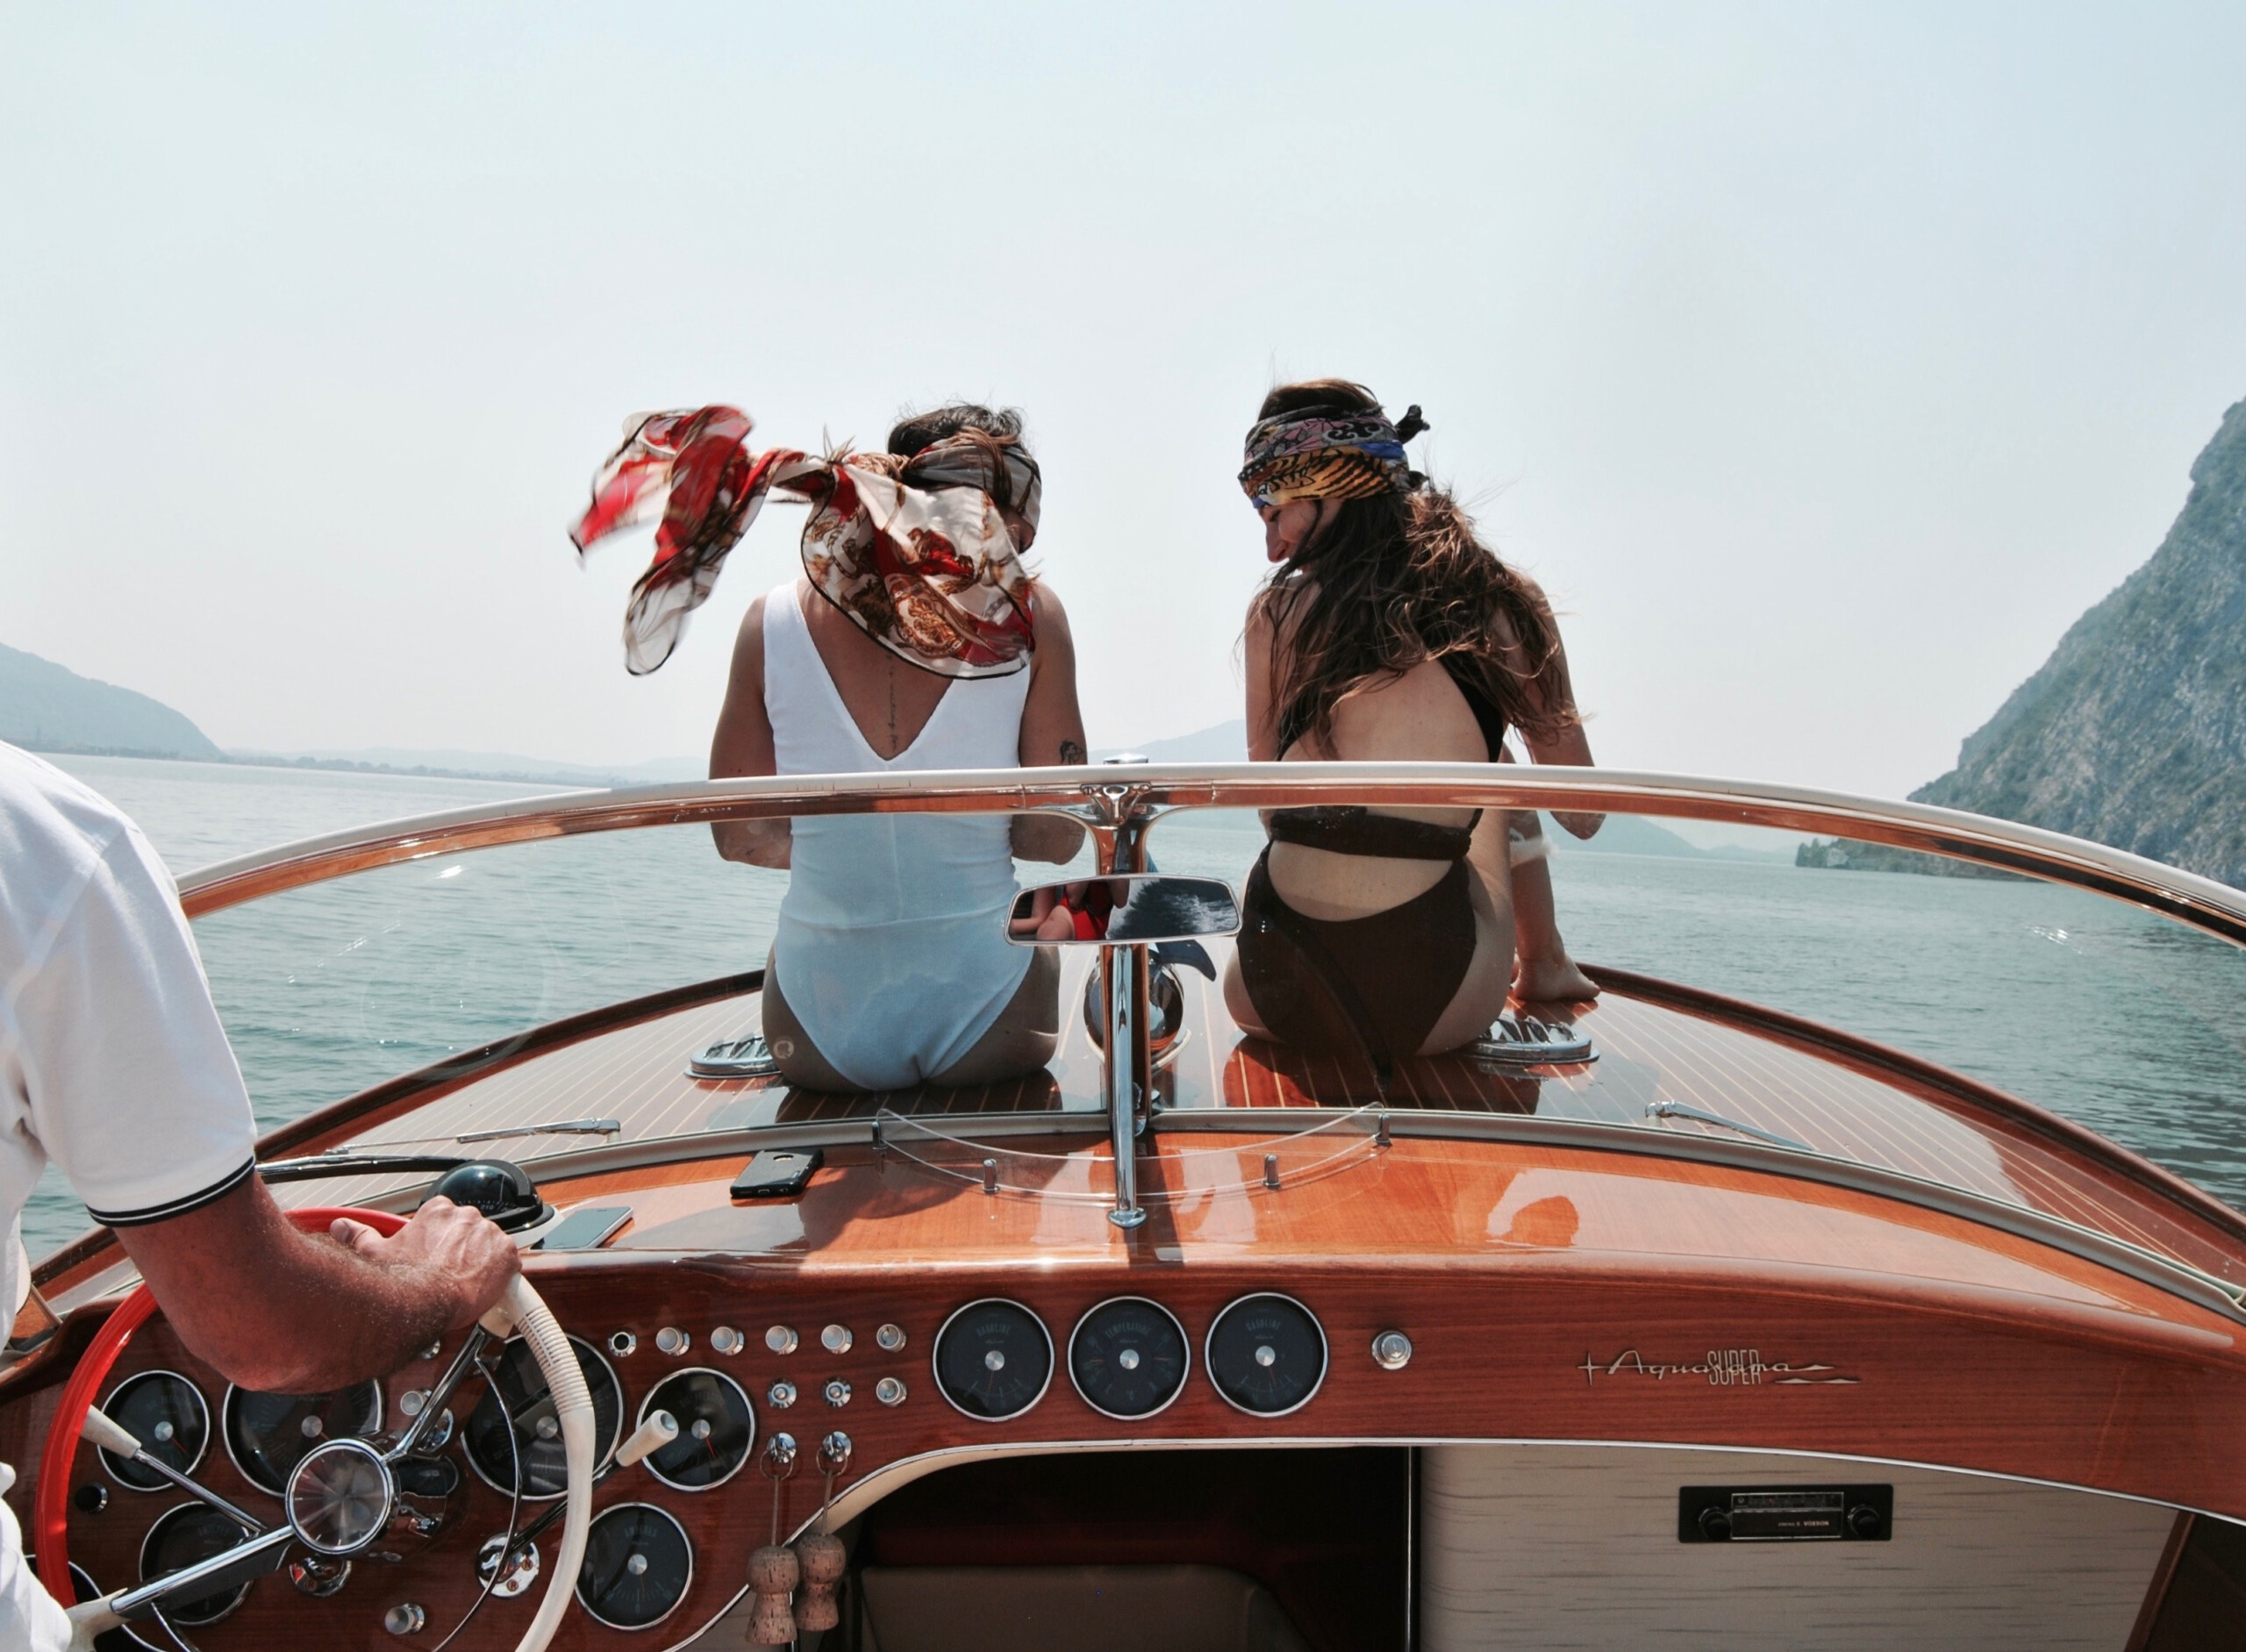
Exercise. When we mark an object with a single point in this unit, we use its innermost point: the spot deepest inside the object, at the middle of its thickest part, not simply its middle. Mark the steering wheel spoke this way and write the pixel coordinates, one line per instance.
(253, 1557)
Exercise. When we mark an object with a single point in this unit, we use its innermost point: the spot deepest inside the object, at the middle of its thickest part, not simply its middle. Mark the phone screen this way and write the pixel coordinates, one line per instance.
(586, 1229)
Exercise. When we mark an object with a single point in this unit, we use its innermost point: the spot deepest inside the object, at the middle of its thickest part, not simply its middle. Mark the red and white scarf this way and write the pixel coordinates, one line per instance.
(913, 551)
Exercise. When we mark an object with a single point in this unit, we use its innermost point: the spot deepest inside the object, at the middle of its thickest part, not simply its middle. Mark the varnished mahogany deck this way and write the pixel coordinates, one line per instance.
(1845, 1102)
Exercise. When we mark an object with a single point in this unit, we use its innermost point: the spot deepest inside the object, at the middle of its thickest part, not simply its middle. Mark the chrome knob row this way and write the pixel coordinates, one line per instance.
(835, 1338)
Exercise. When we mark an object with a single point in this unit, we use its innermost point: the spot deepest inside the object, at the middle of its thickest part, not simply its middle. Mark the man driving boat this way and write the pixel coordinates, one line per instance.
(113, 1065)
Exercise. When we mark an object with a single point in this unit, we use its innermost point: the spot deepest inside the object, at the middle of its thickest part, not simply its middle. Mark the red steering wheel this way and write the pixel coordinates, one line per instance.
(51, 1510)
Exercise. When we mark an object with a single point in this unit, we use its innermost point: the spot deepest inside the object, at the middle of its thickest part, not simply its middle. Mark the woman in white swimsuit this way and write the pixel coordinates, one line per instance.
(913, 640)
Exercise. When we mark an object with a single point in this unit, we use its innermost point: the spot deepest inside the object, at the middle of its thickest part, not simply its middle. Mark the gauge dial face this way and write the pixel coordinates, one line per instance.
(269, 1435)
(993, 1359)
(180, 1537)
(1267, 1354)
(538, 1445)
(166, 1415)
(716, 1428)
(1127, 1357)
(639, 1566)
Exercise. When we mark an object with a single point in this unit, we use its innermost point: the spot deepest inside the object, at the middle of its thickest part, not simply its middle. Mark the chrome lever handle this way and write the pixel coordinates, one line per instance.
(105, 1432)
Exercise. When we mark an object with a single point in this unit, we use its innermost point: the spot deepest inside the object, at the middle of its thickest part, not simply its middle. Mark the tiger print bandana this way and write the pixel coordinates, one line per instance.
(912, 550)
(1320, 454)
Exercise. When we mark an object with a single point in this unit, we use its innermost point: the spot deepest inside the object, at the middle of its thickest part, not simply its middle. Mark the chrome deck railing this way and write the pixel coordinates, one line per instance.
(1110, 794)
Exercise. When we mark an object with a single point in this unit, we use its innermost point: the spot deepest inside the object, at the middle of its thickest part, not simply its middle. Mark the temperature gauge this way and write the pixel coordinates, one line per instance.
(1127, 1357)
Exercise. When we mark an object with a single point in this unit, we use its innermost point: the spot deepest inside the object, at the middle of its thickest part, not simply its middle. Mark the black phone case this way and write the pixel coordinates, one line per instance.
(775, 1174)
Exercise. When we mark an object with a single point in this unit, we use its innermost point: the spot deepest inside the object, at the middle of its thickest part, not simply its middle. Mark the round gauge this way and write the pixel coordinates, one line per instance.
(1267, 1354)
(165, 1414)
(717, 1426)
(638, 1566)
(537, 1444)
(267, 1435)
(180, 1537)
(993, 1359)
(1127, 1357)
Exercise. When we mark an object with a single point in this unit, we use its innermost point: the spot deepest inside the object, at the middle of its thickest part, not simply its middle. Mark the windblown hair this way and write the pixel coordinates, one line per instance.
(996, 428)
(1394, 581)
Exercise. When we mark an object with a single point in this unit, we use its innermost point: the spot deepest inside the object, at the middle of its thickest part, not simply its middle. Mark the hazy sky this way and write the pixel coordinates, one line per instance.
(1824, 362)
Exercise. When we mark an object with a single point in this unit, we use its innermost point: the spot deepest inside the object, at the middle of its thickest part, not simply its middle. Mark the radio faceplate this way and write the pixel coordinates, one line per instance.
(1785, 1513)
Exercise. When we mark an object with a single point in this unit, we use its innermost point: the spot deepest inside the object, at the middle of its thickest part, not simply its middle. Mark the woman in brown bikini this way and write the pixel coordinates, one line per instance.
(1388, 631)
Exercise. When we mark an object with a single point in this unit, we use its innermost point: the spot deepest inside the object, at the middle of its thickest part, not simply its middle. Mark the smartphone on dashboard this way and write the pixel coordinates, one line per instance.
(587, 1228)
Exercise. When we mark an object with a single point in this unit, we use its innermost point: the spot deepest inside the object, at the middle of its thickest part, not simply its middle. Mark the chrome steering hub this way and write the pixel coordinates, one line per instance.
(340, 1497)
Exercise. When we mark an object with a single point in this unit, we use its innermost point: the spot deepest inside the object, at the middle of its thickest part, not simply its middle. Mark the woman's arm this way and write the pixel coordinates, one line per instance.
(1255, 651)
(742, 746)
(1051, 727)
(1568, 743)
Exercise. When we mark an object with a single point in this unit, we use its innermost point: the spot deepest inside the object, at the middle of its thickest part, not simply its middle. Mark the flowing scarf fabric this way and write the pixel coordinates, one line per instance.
(1324, 456)
(913, 551)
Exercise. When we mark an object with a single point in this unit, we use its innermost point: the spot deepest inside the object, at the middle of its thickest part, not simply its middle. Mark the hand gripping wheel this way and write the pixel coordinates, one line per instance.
(519, 1310)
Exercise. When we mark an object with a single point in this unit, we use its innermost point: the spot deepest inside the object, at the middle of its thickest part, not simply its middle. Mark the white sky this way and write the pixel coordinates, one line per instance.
(1824, 362)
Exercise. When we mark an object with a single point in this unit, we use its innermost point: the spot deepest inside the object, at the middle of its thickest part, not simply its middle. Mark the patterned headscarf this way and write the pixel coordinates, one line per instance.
(912, 550)
(1320, 453)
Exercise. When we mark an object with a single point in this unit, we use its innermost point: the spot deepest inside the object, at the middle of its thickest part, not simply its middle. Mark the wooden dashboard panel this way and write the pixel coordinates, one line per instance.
(1547, 1295)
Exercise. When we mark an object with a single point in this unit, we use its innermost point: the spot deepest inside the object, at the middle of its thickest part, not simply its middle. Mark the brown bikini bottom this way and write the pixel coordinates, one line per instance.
(1376, 985)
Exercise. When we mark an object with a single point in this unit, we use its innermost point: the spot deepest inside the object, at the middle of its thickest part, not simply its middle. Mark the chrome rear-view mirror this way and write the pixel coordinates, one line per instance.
(1132, 918)
(1144, 909)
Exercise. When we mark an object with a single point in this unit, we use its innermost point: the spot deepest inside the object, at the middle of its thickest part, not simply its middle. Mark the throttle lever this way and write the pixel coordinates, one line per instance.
(658, 1431)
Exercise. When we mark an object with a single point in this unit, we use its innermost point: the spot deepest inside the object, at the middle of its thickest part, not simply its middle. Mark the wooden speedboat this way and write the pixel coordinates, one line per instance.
(1728, 1330)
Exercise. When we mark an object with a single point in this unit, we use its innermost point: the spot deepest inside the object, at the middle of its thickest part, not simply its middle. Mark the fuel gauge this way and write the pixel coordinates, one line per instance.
(993, 1359)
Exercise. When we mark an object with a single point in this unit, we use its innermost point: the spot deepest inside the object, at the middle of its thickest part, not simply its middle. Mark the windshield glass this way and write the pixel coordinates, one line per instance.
(447, 966)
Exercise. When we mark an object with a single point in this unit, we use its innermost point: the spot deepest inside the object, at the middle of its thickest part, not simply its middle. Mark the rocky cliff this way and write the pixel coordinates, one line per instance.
(2133, 733)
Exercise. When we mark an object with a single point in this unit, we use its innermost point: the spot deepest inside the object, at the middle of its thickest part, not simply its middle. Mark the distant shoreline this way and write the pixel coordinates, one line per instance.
(342, 766)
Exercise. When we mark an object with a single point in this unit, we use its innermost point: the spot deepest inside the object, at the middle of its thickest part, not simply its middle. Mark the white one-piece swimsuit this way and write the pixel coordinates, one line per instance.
(891, 949)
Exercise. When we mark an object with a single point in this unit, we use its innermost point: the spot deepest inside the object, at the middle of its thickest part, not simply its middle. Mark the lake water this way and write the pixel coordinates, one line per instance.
(2122, 1021)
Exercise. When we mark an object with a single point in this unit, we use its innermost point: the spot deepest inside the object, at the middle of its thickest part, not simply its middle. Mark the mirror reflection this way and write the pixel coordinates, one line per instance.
(1142, 910)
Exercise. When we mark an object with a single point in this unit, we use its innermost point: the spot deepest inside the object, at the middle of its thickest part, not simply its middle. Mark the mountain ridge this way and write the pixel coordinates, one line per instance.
(2133, 733)
(52, 708)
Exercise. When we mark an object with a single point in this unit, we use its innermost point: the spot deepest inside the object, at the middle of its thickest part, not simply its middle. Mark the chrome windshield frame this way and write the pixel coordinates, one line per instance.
(1112, 799)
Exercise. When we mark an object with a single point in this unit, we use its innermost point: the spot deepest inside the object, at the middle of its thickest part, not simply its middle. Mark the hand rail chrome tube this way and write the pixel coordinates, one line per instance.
(2198, 902)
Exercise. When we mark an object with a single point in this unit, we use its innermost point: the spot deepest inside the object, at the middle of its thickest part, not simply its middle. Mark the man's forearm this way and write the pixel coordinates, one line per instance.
(282, 1311)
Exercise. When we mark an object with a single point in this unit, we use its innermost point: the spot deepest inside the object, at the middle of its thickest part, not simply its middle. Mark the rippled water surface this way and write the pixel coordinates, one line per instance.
(2122, 1021)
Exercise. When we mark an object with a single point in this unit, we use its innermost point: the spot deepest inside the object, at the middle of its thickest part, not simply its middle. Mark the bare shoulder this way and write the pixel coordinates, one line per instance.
(1275, 609)
(1047, 617)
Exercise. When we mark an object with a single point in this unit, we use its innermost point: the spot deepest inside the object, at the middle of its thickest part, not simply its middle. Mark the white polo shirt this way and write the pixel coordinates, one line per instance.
(112, 1061)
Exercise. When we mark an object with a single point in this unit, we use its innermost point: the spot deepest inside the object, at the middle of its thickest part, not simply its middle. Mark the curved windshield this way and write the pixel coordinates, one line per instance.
(1717, 946)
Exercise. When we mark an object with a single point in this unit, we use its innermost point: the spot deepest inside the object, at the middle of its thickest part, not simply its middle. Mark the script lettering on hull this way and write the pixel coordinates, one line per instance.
(1718, 1367)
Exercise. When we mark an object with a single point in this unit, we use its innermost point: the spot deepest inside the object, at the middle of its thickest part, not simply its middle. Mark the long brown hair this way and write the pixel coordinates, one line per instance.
(1393, 581)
